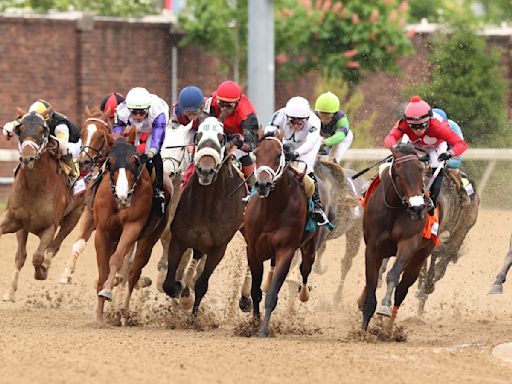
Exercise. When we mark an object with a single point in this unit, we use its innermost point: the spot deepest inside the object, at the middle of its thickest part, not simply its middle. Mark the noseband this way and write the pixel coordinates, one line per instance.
(391, 178)
(274, 175)
(39, 148)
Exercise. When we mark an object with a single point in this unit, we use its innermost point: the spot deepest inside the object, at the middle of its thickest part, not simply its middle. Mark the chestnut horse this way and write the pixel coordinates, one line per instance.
(124, 214)
(209, 212)
(393, 223)
(95, 147)
(274, 225)
(41, 201)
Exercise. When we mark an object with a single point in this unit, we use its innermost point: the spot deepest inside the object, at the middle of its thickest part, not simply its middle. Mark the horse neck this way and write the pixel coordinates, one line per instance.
(390, 194)
(40, 174)
(282, 191)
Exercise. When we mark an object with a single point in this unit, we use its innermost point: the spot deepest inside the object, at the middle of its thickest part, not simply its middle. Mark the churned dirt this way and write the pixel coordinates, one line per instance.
(50, 334)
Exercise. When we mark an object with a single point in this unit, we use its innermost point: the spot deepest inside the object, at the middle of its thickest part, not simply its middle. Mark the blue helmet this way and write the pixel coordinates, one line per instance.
(441, 113)
(191, 99)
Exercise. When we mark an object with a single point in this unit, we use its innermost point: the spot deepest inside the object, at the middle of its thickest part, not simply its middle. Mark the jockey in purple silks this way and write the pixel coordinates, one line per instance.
(150, 115)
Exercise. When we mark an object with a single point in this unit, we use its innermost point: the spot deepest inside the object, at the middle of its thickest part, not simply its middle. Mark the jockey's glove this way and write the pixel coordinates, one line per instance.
(291, 156)
(144, 158)
(445, 156)
(237, 141)
(8, 128)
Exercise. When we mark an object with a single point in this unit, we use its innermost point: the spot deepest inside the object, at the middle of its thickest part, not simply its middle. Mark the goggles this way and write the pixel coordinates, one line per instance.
(297, 120)
(418, 126)
(141, 112)
(225, 104)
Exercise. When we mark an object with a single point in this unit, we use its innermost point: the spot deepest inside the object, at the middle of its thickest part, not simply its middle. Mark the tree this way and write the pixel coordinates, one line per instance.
(338, 39)
(102, 7)
(468, 84)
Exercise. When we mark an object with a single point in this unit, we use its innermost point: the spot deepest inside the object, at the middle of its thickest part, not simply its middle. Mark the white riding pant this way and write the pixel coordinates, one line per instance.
(434, 153)
(65, 147)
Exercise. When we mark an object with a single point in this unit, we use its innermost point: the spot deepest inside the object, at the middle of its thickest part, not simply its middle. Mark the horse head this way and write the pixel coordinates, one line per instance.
(176, 159)
(33, 134)
(210, 142)
(270, 161)
(125, 169)
(407, 173)
(95, 139)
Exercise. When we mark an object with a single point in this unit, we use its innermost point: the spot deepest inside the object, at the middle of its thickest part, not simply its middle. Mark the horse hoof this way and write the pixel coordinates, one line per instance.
(65, 279)
(384, 310)
(106, 294)
(264, 333)
(41, 273)
(144, 282)
(9, 296)
(420, 295)
(304, 293)
(172, 290)
(162, 273)
(186, 299)
(245, 304)
(496, 289)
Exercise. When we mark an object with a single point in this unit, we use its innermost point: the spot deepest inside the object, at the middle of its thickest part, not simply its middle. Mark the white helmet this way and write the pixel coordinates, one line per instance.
(297, 107)
(138, 98)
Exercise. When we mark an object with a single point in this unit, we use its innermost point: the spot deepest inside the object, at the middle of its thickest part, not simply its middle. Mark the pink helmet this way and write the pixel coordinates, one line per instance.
(417, 112)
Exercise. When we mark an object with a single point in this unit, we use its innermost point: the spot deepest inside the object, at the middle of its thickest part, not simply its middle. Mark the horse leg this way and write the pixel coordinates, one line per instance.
(270, 275)
(67, 224)
(353, 241)
(421, 295)
(382, 270)
(497, 287)
(317, 267)
(188, 281)
(40, 267)
(127, 240)
(245, 301)
(165, 239)
(283, 260)
(392, 279)
(308, 259)
(256, 267)
(104, 249)
(86, 227)
(170, 286)
(372, 265)
(212, 260)
(409, 276)
(21, 256)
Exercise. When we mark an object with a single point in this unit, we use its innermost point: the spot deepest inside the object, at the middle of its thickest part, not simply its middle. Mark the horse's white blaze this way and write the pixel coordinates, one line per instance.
(91, 129)
(122, 184)
(416, 201)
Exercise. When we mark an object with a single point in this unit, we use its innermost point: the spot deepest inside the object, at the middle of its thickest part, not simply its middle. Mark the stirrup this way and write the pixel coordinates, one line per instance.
(320, 217)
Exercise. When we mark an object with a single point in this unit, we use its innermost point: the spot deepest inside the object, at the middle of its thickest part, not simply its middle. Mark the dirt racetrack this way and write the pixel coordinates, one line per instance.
(50, 336)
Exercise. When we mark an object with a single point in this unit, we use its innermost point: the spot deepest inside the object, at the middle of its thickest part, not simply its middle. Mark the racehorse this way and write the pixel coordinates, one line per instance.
(95, 146)
(41, 201)
(497, 287)
(125, 214)
(275, 222)
(209, 211)
(459, 216)
(393, 223)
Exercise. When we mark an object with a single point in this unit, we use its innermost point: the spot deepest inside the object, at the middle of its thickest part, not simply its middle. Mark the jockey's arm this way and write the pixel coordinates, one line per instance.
(158, 133)
(8, 128)
(312, 141)
(457, 144)
(393, 137)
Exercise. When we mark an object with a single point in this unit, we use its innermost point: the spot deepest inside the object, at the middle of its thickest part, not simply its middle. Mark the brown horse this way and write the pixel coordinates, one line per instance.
(209, 212)
(393, 224)
(124, 215)
(95, 147)
(274, 224)
(41, 201)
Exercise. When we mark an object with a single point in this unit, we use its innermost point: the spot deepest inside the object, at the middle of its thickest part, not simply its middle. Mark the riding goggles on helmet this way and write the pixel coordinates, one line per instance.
(418, 126)
(141, 112)
(226, 104)
(296, 120)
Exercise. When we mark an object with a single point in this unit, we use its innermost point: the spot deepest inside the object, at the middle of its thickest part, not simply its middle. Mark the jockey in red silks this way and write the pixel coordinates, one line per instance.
(236, 112)
(430, 132)
(110, 103)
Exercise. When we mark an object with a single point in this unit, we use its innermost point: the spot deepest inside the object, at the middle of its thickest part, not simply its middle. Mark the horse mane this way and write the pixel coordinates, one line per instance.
(407, 148)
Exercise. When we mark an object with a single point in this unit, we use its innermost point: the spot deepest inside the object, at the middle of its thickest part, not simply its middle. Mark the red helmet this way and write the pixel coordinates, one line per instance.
(417, 111)
(110, 102)
(229, 91)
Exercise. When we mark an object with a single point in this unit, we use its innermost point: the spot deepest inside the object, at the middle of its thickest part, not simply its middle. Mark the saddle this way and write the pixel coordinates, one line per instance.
(463, 185)
(307, 182)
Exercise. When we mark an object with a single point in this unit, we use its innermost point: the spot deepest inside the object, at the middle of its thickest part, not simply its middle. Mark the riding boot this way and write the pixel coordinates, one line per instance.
(69, 168)
(318, 213)
(435, 190)
(158, 194)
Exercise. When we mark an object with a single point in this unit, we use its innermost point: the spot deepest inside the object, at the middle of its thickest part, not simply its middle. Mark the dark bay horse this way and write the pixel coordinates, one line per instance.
(124, 214)
(209, 212)
(96, 141)
(274, 225)
(393, 224)
(41, 201)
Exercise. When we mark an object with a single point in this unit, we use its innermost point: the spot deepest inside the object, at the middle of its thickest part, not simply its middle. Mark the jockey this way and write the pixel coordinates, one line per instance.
(110, 103)
(433, 134)
(63, 130)
(336, 133)
(301, 130)
(150, 115)
(235, 111)
(456, 161)
(189, 107)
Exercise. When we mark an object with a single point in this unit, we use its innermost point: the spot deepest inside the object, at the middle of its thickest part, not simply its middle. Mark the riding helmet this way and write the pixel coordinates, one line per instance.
(327, 102)
(191, 99)
(229, 91)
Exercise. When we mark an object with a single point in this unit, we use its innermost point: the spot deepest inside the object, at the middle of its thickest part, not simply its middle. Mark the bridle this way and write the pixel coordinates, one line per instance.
(392, 179)
(274, 175)
(95, 159)
(39, 148)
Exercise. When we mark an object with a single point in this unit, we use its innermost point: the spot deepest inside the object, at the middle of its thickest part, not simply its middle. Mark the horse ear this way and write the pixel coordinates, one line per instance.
(280, 134)
(260, 133)
(87, 112)
(197, 137)
(222, 139)
(131, 135)
(20, 111)
(109, 138)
